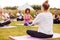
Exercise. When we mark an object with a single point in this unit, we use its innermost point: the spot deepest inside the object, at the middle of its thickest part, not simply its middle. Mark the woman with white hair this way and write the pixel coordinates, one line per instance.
(3, 19)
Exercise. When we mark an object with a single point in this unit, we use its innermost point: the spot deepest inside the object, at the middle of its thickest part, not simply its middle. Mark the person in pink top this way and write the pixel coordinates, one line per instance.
(27, 17)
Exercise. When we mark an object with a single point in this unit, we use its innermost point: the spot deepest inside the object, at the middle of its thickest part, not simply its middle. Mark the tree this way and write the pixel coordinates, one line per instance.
(12, 8)
(38, 7)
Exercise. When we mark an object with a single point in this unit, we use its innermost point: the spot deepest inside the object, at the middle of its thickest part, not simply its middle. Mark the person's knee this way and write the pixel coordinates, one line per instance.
(25, 24)
(8, 22)
(1, 24)
(27, 31)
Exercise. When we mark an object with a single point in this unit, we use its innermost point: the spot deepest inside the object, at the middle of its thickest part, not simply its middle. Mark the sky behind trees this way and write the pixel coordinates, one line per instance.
(4, 3)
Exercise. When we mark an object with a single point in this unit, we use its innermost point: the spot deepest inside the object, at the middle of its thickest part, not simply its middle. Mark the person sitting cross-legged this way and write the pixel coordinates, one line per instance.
(4, 20)
(19, 16)
(56, 17)
(45, 22)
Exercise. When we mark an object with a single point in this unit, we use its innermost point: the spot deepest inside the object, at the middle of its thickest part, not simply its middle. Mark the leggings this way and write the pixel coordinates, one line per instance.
(56, 21)
(20, 19)
(38, 34)
(5, 23)
(26, 24)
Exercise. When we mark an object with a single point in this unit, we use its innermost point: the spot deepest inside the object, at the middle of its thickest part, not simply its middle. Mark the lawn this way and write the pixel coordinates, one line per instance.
(21, 30)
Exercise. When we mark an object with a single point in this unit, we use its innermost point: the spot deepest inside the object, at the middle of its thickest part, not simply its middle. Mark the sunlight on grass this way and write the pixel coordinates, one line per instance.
(21, 30)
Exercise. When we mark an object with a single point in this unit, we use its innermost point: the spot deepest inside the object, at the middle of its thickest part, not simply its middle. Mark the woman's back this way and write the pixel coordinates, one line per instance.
(45, 23)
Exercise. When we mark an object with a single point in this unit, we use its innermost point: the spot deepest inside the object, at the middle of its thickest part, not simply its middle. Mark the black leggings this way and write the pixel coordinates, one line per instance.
(38, 34)
(25, 24)
(5, 23)
(56, 21)
(20, 19)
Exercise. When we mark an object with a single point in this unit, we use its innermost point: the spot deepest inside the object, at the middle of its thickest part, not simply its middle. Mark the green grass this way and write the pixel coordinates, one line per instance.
(21, 30)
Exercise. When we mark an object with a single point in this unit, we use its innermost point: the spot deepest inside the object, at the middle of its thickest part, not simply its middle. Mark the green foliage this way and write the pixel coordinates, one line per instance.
(38, 7)
(12, 8)
(14, 12)
(54, 8)
(52, 11)
(32, 13)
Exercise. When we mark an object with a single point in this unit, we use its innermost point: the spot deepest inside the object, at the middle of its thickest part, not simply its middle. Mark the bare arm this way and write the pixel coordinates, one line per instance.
(4, 17)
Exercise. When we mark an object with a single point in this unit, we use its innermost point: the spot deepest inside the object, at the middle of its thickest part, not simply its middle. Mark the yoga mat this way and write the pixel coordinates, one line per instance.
(8, 27)
(55, 35)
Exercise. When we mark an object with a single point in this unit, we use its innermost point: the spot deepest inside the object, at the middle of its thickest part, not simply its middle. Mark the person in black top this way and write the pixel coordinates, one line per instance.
(56, 17)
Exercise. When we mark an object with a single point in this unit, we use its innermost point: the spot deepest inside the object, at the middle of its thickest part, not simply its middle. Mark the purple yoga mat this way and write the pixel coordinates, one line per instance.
(26, 38)
(55, 35)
